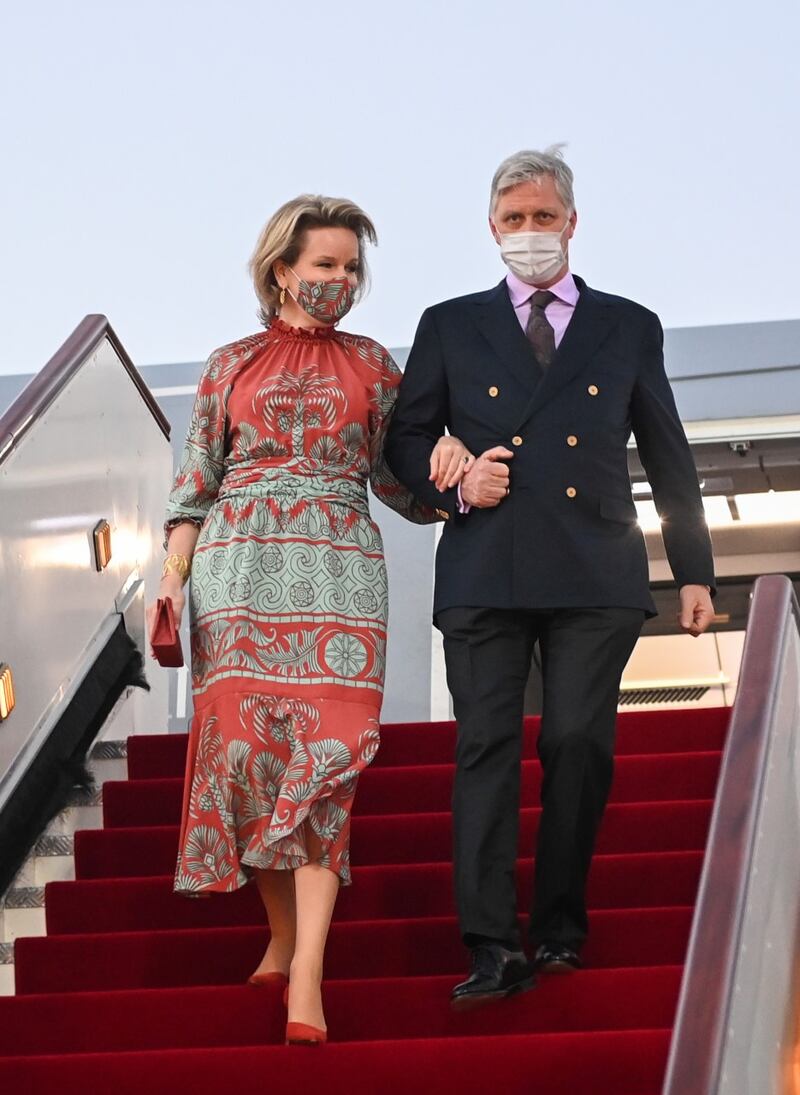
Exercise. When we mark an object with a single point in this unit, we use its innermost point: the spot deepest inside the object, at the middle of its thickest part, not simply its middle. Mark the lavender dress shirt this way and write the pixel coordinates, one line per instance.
(558, 313)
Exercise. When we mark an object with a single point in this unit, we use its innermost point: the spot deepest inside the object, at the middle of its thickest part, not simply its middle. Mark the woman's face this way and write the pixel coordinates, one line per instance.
(327, 253)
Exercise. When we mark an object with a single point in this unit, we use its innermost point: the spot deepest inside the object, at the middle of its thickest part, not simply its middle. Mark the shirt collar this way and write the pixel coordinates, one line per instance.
(520, 292)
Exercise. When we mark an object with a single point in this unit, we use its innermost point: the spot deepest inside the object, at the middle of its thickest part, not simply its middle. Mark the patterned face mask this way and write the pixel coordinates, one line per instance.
(325, 300)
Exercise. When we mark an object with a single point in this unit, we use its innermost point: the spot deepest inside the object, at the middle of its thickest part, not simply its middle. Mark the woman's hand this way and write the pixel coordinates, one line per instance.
(450, 462)
(170, 587)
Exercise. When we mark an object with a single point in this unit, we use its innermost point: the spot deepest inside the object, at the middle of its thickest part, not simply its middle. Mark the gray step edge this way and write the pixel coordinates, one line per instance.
(24, 897)
(109, 750)
(53, 844)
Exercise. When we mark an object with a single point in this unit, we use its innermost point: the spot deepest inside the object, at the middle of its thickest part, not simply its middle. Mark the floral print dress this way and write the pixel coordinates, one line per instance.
(288, 598)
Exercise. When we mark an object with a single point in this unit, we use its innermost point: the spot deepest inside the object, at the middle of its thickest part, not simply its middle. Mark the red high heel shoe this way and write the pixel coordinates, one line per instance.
(301, 1034)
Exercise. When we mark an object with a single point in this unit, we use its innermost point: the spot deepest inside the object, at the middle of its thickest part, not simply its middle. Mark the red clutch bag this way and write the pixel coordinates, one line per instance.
(165, 640)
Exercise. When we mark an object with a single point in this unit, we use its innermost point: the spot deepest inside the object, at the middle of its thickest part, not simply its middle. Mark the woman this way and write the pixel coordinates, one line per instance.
(289, 601)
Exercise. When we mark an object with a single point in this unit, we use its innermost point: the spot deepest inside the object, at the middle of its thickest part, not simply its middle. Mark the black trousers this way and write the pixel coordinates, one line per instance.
(488, 655)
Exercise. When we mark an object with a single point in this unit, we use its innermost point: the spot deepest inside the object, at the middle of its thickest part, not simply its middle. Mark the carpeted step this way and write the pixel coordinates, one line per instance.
(159, 756)
(659, 777)
(405, 838)
(369, 1009)
(374, 948)
(605, 1062)
(395, 891)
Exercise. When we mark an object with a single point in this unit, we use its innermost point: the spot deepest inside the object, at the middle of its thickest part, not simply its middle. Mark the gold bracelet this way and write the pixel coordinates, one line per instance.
(177, 564)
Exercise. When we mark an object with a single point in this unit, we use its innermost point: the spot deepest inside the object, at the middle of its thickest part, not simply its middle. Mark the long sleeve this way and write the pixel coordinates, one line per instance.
(667, 460)
(385, 485)
(200, 473)
(421, 418)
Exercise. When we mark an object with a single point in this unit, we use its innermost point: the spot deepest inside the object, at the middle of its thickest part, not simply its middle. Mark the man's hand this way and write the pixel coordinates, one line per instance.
(696, 609)
(486, 483)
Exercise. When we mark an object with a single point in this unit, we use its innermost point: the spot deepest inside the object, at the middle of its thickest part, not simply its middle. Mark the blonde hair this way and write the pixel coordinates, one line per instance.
(282, 239)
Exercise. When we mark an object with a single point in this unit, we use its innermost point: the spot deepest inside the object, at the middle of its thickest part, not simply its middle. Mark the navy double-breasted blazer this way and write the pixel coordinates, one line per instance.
(567, 534)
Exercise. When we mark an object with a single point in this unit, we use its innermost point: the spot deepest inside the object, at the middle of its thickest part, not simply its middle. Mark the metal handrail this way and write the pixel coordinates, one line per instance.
(698, 1042)
(37, 396)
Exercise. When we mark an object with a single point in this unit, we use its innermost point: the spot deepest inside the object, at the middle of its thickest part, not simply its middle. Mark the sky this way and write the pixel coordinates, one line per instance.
(144, 145)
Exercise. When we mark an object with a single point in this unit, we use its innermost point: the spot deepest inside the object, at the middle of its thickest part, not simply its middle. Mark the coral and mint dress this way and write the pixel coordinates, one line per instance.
(288, 598)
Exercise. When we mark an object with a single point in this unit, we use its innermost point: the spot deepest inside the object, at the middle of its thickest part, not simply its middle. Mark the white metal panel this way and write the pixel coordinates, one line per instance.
(96, 452)
(667, 661)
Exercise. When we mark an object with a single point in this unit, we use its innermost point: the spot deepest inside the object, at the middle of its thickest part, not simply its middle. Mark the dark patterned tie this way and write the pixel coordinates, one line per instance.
(539, 331)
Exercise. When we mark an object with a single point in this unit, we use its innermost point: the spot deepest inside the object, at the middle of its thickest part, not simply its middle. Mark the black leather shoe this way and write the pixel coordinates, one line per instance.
(496, 973)
(556, 958)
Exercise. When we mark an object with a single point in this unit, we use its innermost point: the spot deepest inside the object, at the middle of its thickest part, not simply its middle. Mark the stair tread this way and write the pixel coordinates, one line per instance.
(631, 1063)
(373, 948)
(356, 1009)
(649, 728)
(655, 777)
(636, 879)
(405, 838)
(404, 769)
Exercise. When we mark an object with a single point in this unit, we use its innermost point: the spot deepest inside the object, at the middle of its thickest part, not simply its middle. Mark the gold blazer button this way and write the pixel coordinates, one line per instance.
(493, 392)
(516, 440)
(592, 389)
(443, 514)
(571, 492)
(572, 440)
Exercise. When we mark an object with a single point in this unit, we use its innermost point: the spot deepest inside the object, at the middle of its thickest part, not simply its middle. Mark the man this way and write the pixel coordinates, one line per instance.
(545, 378)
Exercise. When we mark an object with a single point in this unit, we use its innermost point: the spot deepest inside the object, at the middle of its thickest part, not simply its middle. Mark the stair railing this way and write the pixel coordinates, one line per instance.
(736, 1026)
(50, 381)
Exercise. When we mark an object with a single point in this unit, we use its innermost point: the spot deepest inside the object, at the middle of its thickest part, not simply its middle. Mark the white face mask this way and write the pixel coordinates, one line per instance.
(534, 256)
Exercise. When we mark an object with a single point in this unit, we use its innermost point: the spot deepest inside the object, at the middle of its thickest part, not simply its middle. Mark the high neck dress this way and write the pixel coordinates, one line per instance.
(288, 598)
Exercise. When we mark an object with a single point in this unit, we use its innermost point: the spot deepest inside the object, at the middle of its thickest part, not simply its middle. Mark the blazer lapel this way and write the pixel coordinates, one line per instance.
(498, 323)
(591, 323)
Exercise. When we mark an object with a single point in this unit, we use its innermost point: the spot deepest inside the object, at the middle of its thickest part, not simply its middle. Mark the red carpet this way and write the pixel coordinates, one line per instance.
(137, 989)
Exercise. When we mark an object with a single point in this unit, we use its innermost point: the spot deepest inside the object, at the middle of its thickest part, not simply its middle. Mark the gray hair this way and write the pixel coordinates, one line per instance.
(530, 165)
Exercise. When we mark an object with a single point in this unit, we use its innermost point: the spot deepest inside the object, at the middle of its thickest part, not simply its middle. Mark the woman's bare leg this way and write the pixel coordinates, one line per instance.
(316, 888)
(277, 892)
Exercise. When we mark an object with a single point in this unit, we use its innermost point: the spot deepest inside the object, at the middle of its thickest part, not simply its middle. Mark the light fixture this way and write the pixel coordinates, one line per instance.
(102, 544)
(7, 698)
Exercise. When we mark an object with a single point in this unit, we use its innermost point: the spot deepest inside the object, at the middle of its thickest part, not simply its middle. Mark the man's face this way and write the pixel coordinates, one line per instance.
(533, 206)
